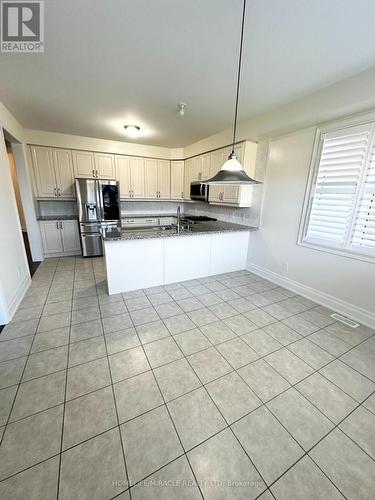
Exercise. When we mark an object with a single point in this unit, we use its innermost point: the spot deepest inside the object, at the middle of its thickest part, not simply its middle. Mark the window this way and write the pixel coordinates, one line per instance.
(341, 206)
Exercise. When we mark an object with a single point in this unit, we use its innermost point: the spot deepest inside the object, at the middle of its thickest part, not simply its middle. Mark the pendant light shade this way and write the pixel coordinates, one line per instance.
(232, 172)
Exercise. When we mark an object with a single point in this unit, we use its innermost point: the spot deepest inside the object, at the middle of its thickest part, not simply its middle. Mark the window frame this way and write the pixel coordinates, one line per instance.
(312, 175)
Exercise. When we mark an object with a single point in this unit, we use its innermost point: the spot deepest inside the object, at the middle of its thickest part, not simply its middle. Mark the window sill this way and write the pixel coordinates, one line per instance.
(343, 253)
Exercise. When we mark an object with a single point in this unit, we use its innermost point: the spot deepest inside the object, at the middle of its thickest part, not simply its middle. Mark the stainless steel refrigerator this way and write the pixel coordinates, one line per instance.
(98, 206)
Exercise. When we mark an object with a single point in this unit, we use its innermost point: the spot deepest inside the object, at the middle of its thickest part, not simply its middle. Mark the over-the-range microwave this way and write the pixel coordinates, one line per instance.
(199, 191)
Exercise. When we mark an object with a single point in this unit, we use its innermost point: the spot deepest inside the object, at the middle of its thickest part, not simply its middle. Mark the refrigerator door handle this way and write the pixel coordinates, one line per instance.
(100, 202)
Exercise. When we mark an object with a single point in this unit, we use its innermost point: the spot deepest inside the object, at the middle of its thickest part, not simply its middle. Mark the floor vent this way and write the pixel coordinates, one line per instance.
(345, 320)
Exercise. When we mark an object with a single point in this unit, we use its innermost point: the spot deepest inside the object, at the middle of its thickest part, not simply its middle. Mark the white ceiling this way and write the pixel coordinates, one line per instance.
(111, 62)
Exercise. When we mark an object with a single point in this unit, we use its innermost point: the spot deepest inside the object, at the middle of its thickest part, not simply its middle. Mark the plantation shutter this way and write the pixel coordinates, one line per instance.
(363, 231)
(337, 217)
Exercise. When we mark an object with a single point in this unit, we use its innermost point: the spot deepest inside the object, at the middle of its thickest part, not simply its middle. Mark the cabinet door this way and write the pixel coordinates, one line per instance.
(177, 180)
(164, 179)
(70, 236)
(83, 162)
(123, 175)
(188, 177)
(231, 194)
(64, 173)
(105, 166)
(196, 172)
(151, 178)
(137, 175)
(51, 236)
(205, 167)
(44, 172)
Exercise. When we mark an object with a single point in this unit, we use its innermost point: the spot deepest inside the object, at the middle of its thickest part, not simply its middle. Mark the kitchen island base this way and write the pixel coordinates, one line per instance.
(132, 264)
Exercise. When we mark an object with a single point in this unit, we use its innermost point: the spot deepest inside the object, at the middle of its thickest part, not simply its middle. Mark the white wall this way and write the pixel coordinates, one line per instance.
(14, 271)
(343, 283)
(54, 139)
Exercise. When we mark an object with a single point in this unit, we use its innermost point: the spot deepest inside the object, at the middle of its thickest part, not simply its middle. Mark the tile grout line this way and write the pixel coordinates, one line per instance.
(114, 399)
(65, 392)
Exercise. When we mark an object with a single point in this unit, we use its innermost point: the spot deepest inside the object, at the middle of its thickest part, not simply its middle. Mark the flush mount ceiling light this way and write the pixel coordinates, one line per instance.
(232, 171)
(181, 108)
(132, 131)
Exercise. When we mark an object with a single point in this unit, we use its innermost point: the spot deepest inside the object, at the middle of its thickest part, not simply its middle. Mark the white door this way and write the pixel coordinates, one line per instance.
(51, 236)
(44, 172)
(216, 162)
(205, 166)
(177, 180)
(83, 162)
(188, 177)
(123, 175)
(137, 174)
(151, 178)
(64, 173)
(231, 194)
(164, 179)
(70, 236)
(105, 166)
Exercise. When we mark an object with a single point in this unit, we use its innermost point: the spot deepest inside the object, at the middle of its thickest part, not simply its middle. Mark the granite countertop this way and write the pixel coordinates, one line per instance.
(57, 217)
(197, 228)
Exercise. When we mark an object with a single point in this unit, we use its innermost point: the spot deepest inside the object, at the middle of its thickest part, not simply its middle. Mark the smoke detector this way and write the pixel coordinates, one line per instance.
(181, 108)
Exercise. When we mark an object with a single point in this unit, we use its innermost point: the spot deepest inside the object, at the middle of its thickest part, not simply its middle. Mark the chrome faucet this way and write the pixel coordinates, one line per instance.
(178, 219)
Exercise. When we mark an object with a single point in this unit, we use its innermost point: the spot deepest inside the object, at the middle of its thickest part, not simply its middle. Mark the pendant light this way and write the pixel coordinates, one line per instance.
(232, 171)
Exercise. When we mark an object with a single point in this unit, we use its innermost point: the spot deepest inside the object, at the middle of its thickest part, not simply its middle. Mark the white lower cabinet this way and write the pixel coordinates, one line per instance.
(60, 237)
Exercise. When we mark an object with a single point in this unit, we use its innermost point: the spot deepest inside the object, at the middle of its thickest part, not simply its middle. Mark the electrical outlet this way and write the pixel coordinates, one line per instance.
(285, 267)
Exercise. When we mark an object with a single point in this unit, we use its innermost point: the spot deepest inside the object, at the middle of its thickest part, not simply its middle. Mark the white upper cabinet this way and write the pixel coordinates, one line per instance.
(131, 176)
(105, 166)
(64, 173)
(151, 178)
(232, 195)
(164, 179)
(94, 165)
(137, 175)
(189, 177)
(84, 164)
(123, 176)
(53, 172)
(177, 180)
(44, 172)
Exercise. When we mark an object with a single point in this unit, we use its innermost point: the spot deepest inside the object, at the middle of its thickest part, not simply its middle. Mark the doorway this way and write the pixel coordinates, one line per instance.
(13, 170)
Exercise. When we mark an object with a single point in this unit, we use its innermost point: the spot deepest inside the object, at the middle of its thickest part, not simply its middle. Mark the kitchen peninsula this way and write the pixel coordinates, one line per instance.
(149, 257)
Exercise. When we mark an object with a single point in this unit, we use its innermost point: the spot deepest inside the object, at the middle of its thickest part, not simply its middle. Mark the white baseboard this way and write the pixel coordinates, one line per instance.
(18, 296)
(356, 313)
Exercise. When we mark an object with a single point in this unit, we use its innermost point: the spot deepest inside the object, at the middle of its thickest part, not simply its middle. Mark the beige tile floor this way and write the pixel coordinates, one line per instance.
(226, 387)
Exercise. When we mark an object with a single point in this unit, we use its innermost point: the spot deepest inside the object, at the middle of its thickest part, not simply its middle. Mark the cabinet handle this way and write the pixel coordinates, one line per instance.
(97, 174)
(61, 225)
(58, 192)
(54, 190)
(93, 172)
(57, 224)
(182, 194)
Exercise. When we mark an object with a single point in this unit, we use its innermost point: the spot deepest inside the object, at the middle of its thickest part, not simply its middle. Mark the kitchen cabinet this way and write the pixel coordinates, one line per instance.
(232, 195)
(60, 237)
(189, 175)
(105, 166)
(164, 179)
(84, 164)
(157, 179)
(177, 180)
(93, 165)
(131, 176)
(53, 172)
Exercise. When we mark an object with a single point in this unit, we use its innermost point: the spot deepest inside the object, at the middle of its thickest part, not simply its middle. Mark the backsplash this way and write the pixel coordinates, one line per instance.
(57, 207)
(248, 216)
